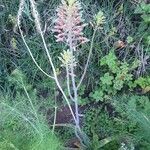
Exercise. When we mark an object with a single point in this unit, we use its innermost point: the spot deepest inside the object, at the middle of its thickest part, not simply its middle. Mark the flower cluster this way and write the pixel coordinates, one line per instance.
(69, 24)
(67, 58)
(99, 19)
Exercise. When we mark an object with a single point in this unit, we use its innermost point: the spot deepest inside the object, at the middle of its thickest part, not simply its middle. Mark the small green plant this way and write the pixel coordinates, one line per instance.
(118, 76)
(144, 83)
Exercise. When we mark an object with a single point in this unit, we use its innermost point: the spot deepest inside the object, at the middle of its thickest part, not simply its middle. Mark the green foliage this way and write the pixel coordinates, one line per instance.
(144, 83)
(136, 110)
(97, 144)
(97, 95)
(129, 39)
(144, 10)
(106, 79)
(18, 79)
(118, 76)
(102, 127)
(111, 61)
(129, 125)
(23, 127)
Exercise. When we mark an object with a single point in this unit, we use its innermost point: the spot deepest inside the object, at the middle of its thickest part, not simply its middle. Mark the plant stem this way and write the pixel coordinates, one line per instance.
(55, 115)
(24, 41)
(55, 76)
(89, 56)
(68, 83)
(74, 84)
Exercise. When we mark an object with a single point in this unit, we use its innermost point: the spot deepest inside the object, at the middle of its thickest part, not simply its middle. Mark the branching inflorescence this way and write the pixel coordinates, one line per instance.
(68, 28)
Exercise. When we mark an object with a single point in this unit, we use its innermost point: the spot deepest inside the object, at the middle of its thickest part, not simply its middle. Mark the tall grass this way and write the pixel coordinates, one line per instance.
(22, 127)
